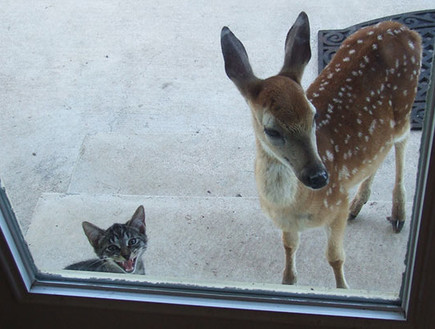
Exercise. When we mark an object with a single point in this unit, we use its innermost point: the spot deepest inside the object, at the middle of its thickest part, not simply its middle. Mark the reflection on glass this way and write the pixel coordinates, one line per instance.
(104, 110)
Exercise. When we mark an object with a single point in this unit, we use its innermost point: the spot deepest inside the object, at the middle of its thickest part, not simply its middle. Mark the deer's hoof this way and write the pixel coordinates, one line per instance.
(397, 224)
(289, 279)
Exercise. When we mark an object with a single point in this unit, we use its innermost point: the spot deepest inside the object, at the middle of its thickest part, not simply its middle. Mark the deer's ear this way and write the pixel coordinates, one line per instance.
(297, 48)
(237, 64)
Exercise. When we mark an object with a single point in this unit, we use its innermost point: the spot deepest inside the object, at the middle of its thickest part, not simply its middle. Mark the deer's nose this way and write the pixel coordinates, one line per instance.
(319, 179)
(316, 178)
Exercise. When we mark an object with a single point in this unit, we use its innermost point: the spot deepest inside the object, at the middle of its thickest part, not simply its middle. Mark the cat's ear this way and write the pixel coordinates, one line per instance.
(138, 220)
(93, 233)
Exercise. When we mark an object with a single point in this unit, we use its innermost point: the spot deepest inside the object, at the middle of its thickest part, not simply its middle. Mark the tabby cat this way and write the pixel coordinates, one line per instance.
(119, 248)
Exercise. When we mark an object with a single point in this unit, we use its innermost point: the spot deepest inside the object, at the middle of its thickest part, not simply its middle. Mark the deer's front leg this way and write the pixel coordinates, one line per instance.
(335, 251)
(291, 243)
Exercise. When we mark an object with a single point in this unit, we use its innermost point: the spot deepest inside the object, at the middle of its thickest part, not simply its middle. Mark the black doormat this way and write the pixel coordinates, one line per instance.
(421, 21)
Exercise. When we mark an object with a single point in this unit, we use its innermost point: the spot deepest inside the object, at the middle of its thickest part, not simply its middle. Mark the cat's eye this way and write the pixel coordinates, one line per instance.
(112, 247)
(132, 241)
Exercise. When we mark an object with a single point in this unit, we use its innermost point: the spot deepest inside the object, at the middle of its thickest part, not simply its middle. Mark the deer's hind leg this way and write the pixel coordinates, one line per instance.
(398, 214)
(361, 197)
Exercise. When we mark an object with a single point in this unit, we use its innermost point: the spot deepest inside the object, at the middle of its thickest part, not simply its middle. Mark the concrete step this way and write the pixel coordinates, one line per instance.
(218, 239)
(218, 162)
(189, 164)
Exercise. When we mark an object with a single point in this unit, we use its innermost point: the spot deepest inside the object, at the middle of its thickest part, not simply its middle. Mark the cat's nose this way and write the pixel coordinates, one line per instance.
(126, 254)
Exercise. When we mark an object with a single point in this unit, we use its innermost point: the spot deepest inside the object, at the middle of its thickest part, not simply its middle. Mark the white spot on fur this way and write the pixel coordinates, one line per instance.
(411, 44)
(329, 155)
(344, 173)
(375, 46)
(346, 59)
(372, 127)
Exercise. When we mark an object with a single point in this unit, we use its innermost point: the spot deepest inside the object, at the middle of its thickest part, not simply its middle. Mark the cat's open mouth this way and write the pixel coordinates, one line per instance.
(128, 266)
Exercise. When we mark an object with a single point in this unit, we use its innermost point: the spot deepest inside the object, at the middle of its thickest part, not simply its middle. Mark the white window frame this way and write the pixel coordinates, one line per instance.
(235, 307)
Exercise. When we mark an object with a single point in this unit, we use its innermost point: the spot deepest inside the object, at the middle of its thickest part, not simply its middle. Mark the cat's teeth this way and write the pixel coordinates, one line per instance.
(128, 265)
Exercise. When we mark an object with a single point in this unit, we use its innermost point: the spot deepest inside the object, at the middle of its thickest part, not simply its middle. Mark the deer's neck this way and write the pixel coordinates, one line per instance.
(276, 182)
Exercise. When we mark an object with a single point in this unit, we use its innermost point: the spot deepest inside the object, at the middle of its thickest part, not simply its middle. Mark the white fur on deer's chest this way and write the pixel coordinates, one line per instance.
(279, 192)
(277, 184)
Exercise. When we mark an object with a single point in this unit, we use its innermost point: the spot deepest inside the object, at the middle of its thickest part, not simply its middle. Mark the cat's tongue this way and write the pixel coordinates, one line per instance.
(128, 265)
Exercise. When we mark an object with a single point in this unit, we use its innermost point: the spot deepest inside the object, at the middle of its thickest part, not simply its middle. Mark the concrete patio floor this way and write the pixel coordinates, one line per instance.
(108, 105)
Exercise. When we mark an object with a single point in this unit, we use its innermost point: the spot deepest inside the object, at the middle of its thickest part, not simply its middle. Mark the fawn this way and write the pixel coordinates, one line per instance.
(312, 147)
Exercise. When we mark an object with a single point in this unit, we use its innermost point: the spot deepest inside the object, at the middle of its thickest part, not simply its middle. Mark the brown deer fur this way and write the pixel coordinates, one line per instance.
(312, 148)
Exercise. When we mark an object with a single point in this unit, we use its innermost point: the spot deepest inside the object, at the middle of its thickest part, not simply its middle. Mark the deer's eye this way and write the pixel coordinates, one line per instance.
(272, 133)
